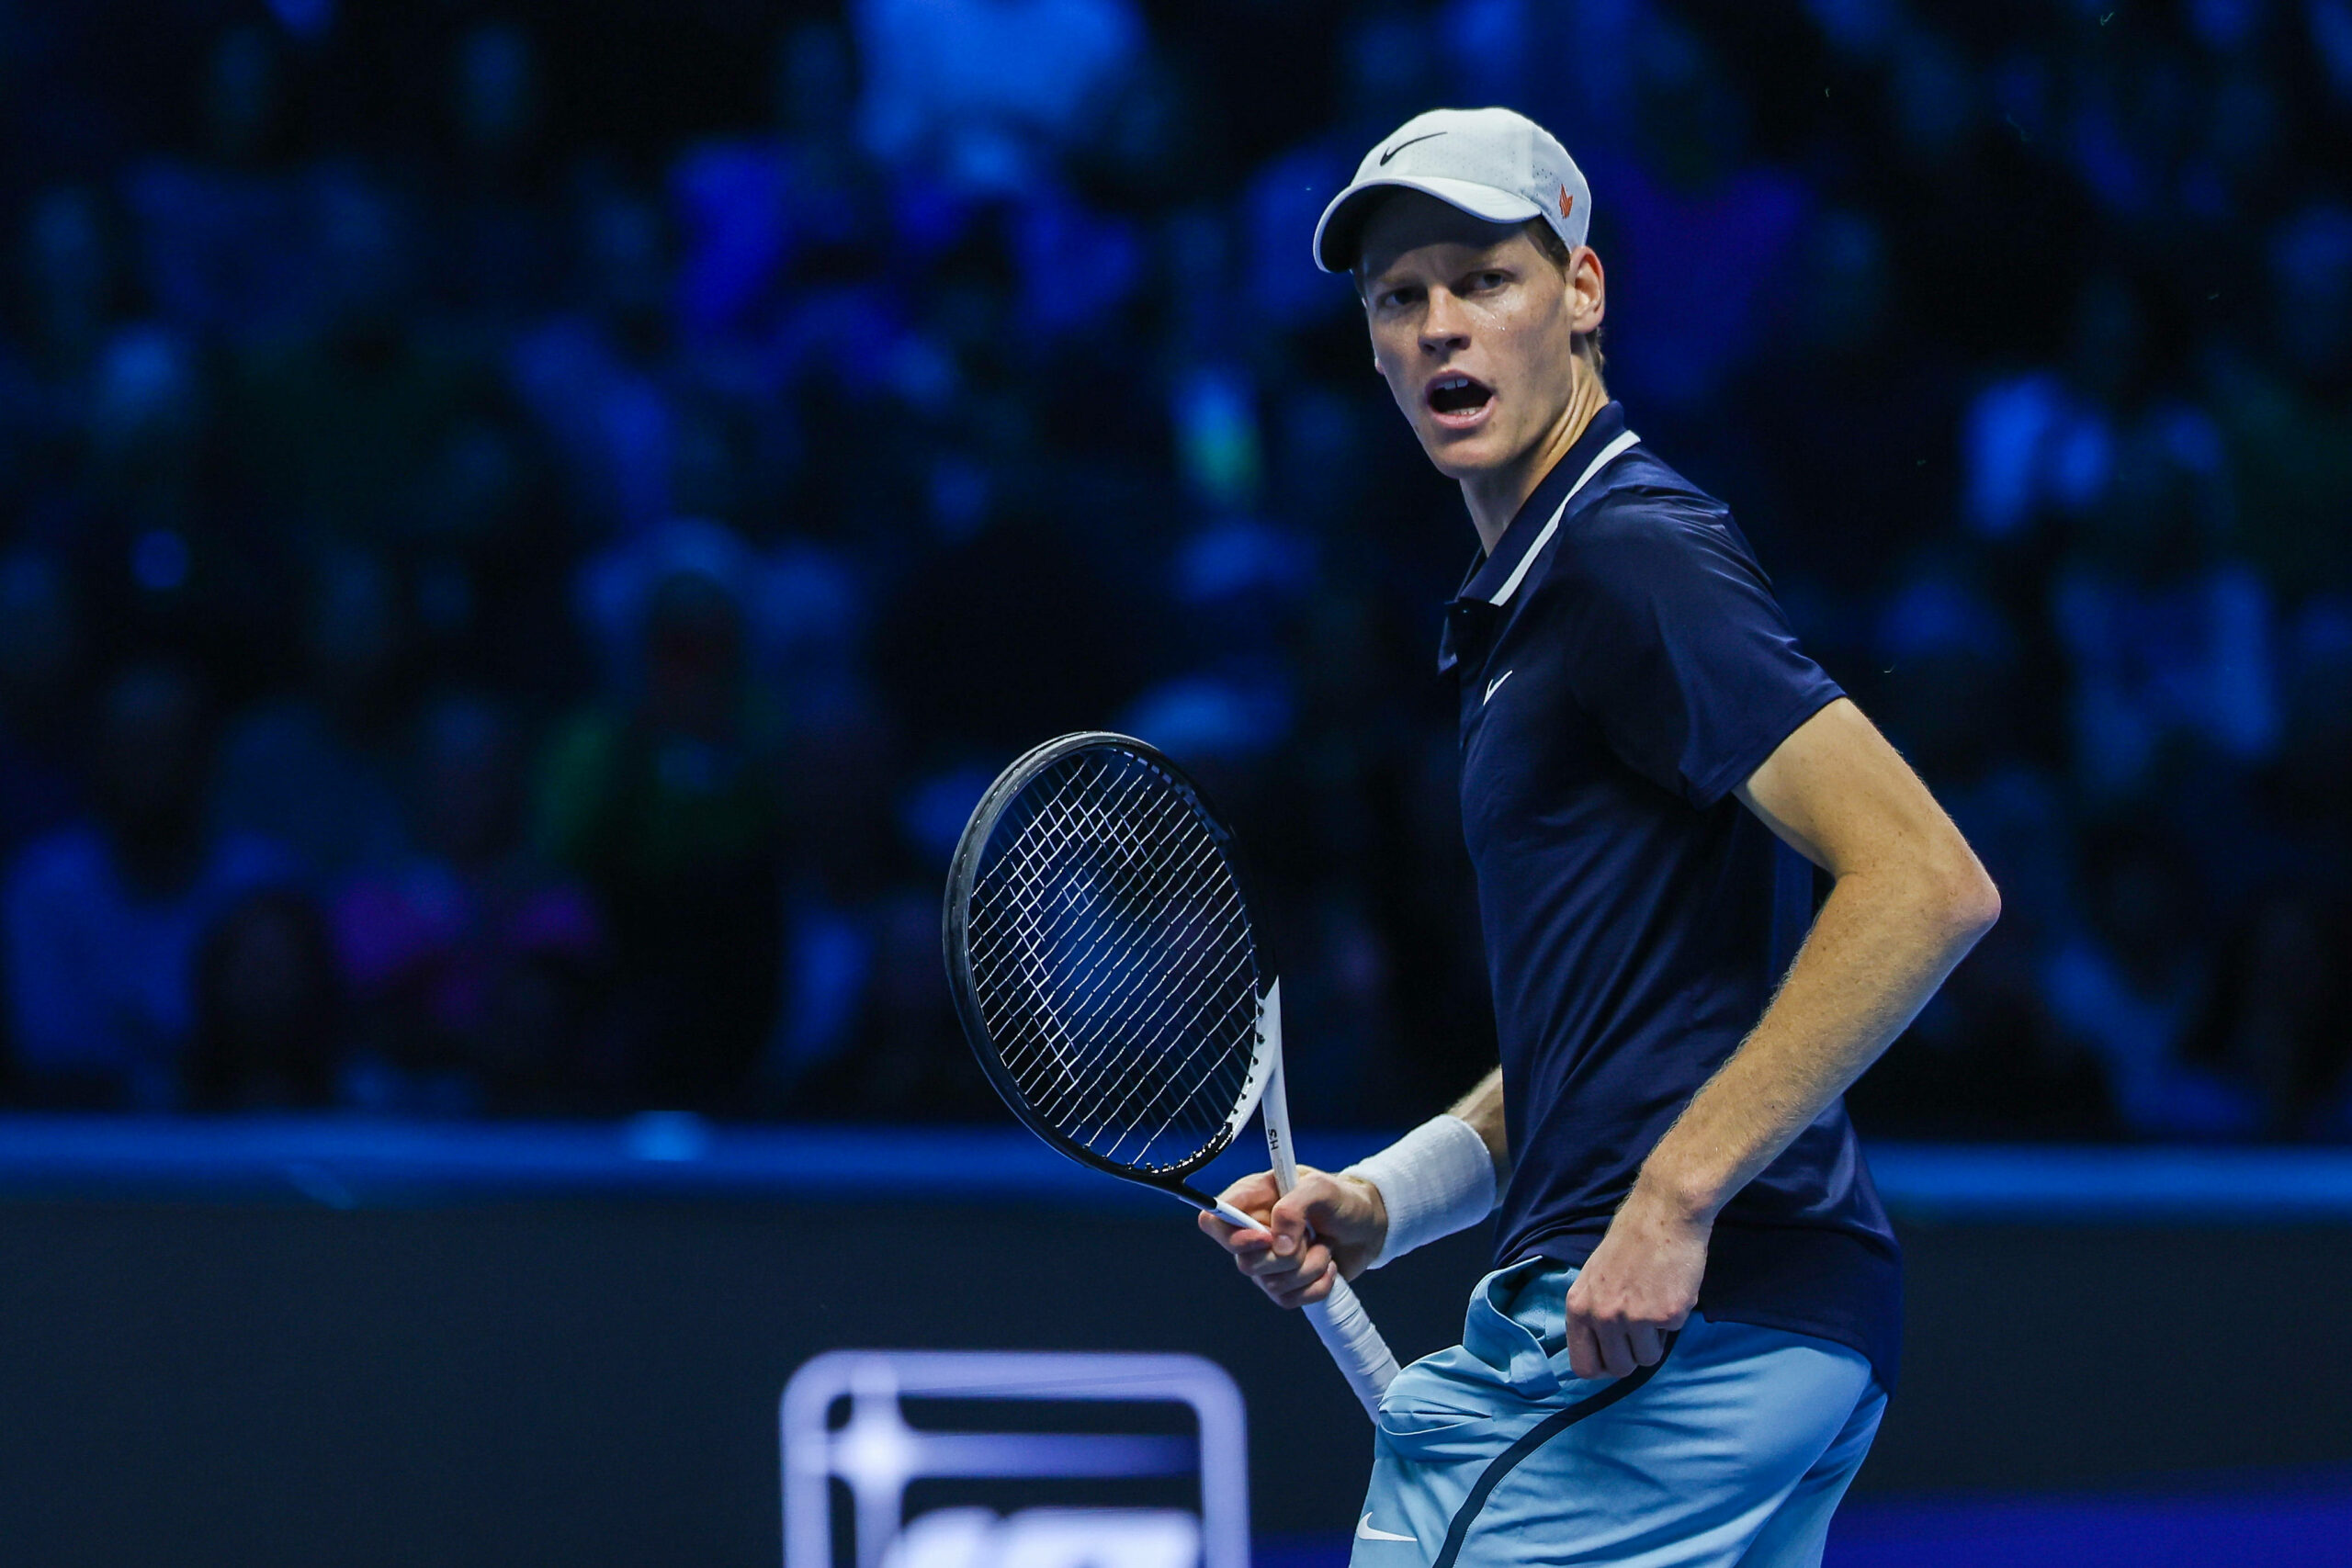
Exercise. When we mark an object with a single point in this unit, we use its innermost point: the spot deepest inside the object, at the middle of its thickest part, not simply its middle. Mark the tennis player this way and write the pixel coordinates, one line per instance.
(1686, 1344)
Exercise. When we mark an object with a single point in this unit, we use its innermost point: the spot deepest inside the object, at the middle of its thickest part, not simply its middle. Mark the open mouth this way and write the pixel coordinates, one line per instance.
(1458, 397)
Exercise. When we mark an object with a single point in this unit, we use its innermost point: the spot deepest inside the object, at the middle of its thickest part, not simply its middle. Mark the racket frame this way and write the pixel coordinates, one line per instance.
(1340, 1320)
(1266, 1048)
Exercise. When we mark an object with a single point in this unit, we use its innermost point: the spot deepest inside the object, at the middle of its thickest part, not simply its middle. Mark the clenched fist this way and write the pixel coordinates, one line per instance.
(1327, 1223)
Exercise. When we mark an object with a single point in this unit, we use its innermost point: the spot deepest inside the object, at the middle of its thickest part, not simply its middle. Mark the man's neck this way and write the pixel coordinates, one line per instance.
(1495, 497)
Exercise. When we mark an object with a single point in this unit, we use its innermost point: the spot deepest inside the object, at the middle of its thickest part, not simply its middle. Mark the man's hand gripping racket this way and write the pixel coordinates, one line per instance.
(1117, 993)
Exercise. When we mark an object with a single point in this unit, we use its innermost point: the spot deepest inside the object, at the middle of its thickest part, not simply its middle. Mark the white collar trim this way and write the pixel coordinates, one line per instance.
(1600, 459)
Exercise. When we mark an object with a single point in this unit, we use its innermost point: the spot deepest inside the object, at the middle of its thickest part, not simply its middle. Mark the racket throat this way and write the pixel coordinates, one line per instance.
(1233, 1216)
(1275, 1106)
(1268, 1099)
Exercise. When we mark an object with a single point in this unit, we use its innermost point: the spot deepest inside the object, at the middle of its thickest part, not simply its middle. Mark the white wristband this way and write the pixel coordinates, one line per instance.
(1436, 1179)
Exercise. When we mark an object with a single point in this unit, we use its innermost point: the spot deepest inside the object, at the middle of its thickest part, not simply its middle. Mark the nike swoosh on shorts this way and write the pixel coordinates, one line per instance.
(1365, 1532)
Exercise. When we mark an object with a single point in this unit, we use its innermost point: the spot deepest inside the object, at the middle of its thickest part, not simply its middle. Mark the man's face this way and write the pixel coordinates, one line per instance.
(1473, 328)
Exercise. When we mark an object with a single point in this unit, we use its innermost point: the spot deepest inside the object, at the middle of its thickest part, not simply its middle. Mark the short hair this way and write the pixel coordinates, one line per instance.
(1556, 250)
(1546, 239)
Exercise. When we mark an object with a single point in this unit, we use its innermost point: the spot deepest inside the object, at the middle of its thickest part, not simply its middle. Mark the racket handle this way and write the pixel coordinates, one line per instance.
(1363, 1357)
(1345, 1328)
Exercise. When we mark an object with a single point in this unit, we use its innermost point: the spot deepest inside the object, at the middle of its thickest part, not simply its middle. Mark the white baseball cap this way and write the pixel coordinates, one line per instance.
(1492, 163)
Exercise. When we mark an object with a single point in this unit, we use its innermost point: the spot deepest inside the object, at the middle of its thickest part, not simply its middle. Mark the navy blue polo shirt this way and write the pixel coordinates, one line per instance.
(1623, 667)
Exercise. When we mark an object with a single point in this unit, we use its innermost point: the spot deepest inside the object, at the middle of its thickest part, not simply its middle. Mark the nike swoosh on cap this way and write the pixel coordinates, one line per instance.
(1365, 1532)
(1402, 145)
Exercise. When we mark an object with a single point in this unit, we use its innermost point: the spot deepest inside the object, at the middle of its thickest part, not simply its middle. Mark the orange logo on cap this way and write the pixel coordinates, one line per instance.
(1567, 202)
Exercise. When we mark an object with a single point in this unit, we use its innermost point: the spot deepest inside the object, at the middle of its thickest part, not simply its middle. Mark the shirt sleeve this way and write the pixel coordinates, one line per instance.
(1678, 651)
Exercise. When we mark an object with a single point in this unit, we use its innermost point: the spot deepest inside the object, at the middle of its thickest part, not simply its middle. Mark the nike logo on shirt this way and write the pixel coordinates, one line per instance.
(1365, 1532)
(1493, 684)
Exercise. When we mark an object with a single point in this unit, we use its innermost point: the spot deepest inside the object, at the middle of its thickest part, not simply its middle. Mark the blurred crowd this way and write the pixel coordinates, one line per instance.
(527, 529)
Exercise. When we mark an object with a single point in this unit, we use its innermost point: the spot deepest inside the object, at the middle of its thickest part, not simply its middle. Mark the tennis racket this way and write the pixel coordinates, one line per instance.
(1107, 971)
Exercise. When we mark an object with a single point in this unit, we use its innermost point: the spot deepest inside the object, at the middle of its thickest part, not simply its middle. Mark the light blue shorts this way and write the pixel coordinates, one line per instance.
(1733, 1450)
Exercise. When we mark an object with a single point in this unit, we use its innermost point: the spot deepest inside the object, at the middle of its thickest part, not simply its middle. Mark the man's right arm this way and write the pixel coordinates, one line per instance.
(1337, 1225)
(1483, 1108)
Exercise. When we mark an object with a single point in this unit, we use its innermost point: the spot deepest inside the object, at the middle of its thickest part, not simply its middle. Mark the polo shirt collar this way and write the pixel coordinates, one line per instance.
(1497, 576)
(1494, 578)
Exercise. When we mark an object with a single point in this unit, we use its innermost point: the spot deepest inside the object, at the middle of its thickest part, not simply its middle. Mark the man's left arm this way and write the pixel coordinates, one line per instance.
(1908, 900)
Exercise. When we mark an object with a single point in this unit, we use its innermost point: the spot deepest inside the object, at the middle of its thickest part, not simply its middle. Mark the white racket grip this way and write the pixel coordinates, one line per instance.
(1363, 1357)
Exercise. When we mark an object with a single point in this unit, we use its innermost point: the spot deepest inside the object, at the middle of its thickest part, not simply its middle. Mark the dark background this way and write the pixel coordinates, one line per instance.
(526, 527)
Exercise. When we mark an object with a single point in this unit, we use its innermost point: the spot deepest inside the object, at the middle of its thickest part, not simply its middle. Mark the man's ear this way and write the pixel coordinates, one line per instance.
(1588, 290)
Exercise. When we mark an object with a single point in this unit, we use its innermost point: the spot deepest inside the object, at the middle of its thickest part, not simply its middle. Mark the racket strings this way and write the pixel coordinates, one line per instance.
(1111, 961)
(1179, 989)
(1122, 1097)
(1033, 890)
(1033, 875)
